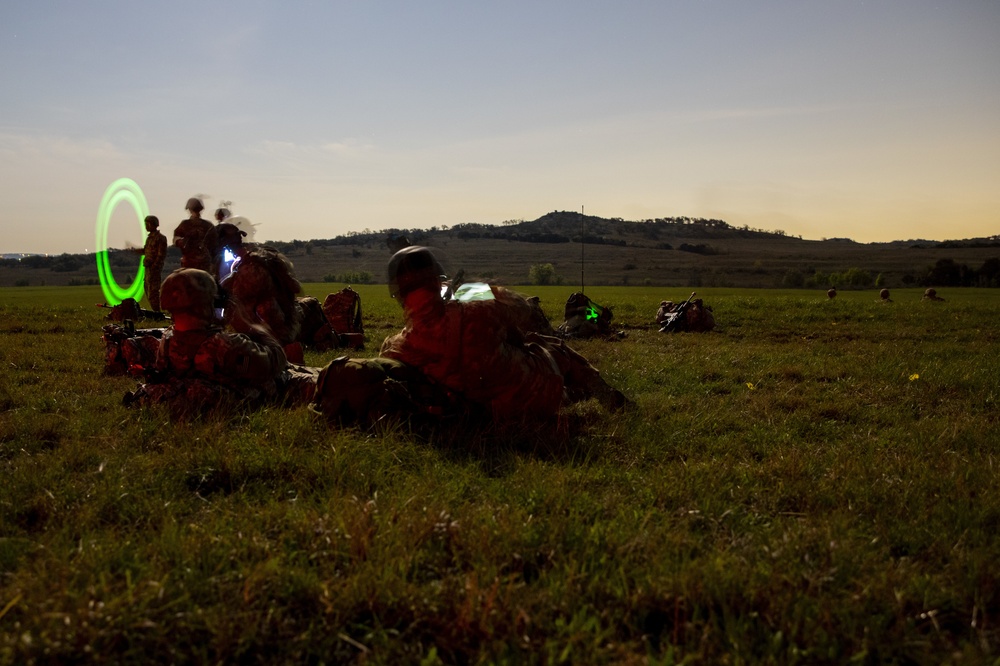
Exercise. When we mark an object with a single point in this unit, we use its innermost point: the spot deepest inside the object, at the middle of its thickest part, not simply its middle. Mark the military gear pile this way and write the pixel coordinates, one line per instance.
(343, 311)
(343, 314)
(584, 318)
(692, 316)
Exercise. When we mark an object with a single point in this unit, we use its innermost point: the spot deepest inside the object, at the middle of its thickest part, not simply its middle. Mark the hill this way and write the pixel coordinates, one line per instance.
(676, 251)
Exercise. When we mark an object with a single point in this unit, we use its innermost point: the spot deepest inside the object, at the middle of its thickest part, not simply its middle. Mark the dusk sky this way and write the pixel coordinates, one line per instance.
(875, 120)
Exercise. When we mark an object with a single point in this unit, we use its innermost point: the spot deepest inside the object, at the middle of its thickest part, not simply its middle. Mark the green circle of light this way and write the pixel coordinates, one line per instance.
(123, 189)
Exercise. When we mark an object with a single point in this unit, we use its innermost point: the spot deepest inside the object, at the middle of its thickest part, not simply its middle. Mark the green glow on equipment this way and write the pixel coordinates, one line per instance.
(592, 312)
(123, 189)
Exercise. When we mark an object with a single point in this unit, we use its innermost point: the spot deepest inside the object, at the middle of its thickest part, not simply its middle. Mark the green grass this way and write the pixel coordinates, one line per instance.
(814, 482)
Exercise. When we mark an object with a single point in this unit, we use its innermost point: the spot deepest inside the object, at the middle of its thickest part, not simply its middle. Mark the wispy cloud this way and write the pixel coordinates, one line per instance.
(32, 148)
(754, 112)
(313, 156)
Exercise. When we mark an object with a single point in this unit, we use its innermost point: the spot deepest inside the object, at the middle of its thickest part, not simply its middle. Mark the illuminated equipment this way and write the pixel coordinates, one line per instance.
(123, 189)
(472, 291)
(228, 264)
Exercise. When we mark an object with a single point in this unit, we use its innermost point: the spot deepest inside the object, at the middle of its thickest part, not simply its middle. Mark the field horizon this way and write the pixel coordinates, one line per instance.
(588, 250)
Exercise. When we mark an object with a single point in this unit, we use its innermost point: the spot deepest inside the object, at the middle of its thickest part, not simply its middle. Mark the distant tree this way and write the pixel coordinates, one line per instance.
(67, 263)
(793, 279)
(857, 277)
(948, 273)
(349, 277)
(989, 273)
(543, 274)
(819, 279)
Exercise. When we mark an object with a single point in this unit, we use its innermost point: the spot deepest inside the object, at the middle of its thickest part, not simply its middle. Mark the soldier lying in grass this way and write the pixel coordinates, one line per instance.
(476, 350)
(200, 368)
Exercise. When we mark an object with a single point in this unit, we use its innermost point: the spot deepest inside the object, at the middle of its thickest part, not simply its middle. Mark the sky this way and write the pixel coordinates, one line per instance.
(875, 120)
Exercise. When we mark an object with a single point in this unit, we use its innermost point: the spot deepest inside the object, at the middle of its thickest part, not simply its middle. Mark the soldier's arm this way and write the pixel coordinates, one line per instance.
(253, 361)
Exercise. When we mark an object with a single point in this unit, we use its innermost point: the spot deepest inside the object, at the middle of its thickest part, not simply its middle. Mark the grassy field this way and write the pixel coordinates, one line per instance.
(813, 482)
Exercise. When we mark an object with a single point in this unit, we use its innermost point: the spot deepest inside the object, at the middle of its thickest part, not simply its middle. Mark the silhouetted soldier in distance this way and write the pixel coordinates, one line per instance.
(196, 238)
(154, 255)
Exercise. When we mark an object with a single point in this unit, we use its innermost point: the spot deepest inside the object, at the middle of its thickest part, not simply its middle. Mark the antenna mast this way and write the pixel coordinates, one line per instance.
(583, 236)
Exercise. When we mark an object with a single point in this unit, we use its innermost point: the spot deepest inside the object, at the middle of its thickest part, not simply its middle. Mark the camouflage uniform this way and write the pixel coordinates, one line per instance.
(477, 350)
(200, 368)
(154, 256)
(204, 370)
(262, 289)
(197, 241)
(473, 349)
(524, 312)
(368, 391)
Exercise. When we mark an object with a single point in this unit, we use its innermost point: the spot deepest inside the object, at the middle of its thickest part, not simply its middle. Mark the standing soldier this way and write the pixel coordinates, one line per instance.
(196, 238)
(154, 254)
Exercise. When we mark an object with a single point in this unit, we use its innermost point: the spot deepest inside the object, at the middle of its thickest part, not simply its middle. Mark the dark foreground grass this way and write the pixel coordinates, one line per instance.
(815, 482)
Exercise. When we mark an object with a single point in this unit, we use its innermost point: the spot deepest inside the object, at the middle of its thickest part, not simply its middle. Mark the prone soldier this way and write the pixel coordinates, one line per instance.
(201, 367)
(476, 350)
(261, 289)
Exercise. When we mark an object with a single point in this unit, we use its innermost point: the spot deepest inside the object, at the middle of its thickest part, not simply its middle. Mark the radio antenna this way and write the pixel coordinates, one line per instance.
(583, 243)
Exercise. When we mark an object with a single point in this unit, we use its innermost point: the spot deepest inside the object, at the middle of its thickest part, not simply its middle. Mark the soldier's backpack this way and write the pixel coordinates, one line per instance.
(315, 332)
(343, 311)
(584, 318)
(692, 315)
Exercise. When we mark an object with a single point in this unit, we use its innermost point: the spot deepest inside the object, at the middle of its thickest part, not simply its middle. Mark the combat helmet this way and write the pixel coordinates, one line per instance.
(190, 290)
(230, 235)
(411, 268)
(194, 205)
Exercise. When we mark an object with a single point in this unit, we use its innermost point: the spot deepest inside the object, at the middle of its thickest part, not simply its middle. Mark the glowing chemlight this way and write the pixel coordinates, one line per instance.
(123, 189)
